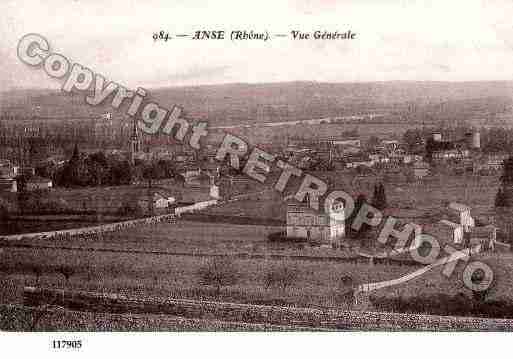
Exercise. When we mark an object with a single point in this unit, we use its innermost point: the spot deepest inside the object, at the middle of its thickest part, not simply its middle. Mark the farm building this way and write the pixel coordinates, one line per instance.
(8, 185)
(159, 201)
(315, 226)
(348, 146)
(460, 213)
(357, 161)
(390, 145)
(446, 231)
(420, 169)
(7, 170)
(203, 181)
(457, 154)
(489, 163)
(486, 235)
(37, 183)
(409, 158)
(352, 142)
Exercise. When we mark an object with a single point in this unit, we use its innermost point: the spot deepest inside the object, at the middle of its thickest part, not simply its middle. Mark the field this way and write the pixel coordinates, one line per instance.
(410, 200)
(315, 283)
(19, 318)
(165, 260)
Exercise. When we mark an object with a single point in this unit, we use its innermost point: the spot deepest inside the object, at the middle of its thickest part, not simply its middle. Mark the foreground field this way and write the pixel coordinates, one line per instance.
(322, 284)
(18, 318)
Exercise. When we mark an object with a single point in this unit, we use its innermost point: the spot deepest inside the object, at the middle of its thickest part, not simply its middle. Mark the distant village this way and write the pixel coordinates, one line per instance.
(37, 158)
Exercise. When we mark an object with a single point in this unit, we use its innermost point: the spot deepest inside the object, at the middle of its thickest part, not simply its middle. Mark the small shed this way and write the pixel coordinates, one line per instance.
(420, 169)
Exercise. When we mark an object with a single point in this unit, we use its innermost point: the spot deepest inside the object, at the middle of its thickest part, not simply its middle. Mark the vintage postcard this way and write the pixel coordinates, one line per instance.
(266, 166)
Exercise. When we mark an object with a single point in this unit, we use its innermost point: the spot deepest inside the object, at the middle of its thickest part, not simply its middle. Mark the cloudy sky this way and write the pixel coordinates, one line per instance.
(396, 40)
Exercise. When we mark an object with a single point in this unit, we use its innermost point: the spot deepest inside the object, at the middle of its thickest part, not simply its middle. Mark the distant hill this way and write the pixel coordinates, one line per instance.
(282, 101)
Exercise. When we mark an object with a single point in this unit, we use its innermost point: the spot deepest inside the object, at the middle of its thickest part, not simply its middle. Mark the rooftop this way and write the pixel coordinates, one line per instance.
(459, 207)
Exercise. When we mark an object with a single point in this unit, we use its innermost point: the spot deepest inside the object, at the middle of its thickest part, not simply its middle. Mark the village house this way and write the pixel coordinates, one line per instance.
(455, 154)
(347, 146)
(409, 158)
(358, 160)
(37, 183)
(484, 235)
(8, 185)
(489, 163)
(390, 145)
(8, 170)
(460, 213)
(316, 226)
(420, 169)
(203, 180)
(379, 158)
(160, 201)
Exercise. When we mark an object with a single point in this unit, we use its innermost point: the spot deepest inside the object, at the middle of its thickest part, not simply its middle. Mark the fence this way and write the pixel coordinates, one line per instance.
(384, 284)
(93, 231)
(250, 313)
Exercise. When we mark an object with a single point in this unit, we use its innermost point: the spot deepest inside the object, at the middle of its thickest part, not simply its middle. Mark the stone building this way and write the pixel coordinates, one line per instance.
(420, 169)
(484, 235)
(460, 213)
(316, 226)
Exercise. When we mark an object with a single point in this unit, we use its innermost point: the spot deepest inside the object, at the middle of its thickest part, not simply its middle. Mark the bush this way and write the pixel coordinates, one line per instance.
(218, 272)
(281, 277)
(346, 280)
(130, 209)
(66, 271)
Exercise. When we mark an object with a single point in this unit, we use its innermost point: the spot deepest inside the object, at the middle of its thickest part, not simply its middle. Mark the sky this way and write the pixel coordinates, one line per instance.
(467, 40)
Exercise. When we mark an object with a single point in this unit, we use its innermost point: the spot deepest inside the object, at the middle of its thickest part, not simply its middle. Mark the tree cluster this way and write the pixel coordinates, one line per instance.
(98, 170)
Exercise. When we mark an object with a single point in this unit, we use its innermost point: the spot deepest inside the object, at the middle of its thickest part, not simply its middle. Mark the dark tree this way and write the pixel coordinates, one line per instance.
(218, 272)
(379, 199)
(412, 139)
(74, 172)
(383, 195)
(503, 197)
(500, 198)
(280, 277)
(372, 142)
(357, 232)
(507, 173)
(430, 148)
(66, 271)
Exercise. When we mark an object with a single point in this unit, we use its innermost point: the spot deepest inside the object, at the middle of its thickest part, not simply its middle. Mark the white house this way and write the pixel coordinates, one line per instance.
(486, 235)
(315, 226)
(8, 185)
(159, 201)
(38, 183)
(460, 213)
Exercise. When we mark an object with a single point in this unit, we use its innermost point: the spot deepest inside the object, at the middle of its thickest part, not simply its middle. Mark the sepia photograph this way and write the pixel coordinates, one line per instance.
(282, 167)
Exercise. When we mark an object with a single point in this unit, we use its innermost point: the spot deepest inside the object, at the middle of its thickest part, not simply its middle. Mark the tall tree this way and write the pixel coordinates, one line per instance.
(379, 199)
(500, 198)
(504, 197)
(357, 232)
(412, 138)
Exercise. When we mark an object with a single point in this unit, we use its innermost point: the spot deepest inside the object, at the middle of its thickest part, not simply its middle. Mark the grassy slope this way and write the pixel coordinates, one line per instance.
(317, 283)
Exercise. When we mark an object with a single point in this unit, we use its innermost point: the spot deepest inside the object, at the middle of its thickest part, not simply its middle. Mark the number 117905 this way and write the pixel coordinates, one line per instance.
(66, 344)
